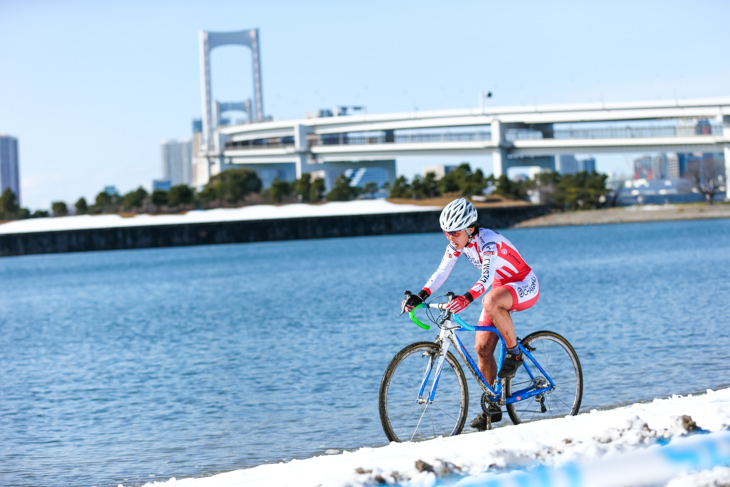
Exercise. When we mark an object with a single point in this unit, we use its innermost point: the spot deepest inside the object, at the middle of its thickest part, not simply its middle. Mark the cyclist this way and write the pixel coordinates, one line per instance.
(514, 288)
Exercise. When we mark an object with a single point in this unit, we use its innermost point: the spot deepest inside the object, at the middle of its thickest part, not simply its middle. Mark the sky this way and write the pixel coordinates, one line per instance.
(90, 89)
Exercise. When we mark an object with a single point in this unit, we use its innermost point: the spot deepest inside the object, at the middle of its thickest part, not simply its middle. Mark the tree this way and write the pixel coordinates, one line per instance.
(707, 178)
(81, 207)
(135, 199)
(102, 203)
(280, 190)
(400, 188)
(8, 205)
(579, 191)
(159, 197)
(40, 214)
(463, 181)
(583, 190)
(342, 191)
(180, 194)
(370, 188)
(544, 185)
(316, 190)
(59, 208)
(209, 194)
(510, 189)
(234, 185)
(302, 187)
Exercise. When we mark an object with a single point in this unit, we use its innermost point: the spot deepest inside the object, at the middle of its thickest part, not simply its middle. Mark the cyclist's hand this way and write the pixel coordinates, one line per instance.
(459, 303)
(413, 300)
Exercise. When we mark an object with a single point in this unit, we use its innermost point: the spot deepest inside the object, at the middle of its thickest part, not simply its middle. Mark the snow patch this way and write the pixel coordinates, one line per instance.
(551, 443)
(248, 213)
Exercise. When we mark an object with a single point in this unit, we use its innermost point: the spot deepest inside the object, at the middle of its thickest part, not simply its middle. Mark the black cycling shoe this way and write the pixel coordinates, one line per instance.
(480, 422)
(510, 364)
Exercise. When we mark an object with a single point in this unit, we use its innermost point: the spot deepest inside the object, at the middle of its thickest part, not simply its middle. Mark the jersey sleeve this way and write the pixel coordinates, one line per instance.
(443, 271)
(488, 256)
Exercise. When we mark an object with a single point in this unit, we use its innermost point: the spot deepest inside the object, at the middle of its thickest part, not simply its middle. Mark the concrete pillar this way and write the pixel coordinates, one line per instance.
(302, 149)
(499, 162)
(499, 153)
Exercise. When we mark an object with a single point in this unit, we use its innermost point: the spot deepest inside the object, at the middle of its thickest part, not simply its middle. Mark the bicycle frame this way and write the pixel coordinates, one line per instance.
(448, 336)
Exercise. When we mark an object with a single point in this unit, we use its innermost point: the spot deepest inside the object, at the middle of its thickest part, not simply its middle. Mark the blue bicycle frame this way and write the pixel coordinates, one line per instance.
(448, 327)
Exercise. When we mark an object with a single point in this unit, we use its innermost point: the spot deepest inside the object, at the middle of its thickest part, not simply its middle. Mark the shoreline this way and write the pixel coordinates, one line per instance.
(629, 214)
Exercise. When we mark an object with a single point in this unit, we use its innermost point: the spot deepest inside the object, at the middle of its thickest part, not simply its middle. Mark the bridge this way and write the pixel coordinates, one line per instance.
(512, 136)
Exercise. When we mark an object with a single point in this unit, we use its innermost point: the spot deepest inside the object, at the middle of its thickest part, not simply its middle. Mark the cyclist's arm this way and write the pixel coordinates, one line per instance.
(489, 257)
(443, 271)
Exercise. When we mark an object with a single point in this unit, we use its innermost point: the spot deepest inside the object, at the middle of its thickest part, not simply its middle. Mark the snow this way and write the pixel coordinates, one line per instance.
(625, 435)
(256, 212)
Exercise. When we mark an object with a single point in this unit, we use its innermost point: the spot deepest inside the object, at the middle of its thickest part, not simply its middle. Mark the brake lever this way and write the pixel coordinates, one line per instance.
(408, 294)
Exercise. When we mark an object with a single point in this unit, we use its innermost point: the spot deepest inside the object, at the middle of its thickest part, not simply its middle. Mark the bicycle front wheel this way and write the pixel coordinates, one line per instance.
(558, 359)
(407, 417)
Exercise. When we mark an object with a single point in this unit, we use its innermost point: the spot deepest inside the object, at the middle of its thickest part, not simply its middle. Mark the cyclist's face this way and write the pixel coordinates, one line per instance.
(458, 239)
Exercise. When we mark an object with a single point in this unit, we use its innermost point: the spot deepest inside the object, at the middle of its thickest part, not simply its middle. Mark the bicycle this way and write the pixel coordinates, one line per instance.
(411, 410)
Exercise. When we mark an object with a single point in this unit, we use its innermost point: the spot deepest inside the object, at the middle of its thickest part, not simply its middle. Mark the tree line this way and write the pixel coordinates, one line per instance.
(228, 189)
(583, 190)
(237, 187)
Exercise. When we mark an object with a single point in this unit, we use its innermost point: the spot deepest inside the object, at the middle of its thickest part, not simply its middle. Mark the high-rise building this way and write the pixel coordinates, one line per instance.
(177, 164)
(673, 167)
(201, 166)
(566, 164)
(587, 165)
(644, 168)
(9, 171)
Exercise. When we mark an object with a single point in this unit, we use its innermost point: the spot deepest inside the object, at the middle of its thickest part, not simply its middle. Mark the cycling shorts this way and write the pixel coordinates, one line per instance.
(524, 295)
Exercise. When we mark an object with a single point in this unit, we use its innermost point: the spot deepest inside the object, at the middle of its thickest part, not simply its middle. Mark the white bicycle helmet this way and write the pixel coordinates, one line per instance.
(458, 215)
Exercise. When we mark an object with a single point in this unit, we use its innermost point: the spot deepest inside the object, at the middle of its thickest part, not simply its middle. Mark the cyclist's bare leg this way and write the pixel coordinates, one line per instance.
(497, 304)
(485, 342)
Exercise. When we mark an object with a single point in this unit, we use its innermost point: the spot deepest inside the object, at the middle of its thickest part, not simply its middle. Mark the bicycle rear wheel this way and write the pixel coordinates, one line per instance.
(558, 359)
(403, 416)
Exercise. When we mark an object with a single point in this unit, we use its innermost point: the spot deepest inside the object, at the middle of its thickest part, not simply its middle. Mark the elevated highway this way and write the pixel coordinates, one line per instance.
(510, 135)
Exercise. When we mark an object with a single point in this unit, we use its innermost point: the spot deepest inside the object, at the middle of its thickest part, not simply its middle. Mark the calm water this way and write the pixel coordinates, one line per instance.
(134, 366)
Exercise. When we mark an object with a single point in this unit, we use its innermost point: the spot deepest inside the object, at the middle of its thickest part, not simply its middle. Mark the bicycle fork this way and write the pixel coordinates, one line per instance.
(443, 350)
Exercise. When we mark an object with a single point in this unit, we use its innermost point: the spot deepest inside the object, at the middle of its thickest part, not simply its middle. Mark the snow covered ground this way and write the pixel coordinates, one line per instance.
(256, 212)
(610, 445)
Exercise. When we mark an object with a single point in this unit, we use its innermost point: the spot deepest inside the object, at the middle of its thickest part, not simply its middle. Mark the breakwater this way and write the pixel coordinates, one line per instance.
(212, 233)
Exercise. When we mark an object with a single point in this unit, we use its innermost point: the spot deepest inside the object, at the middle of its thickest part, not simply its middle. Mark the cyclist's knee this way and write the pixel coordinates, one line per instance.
(490, 304)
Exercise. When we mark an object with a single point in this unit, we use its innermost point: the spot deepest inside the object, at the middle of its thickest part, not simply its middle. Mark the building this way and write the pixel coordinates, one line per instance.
(201, 167)
(566, 164)
(177, 164)
(439, 171)
(676, 166)
(161, 184)
(570, 165)
(364, 175)
(652, 167)
(9, 170)
(587, 165)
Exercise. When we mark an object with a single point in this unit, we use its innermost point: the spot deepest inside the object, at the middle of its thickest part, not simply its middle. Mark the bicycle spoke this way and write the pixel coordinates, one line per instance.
(403, 417)
(559, 362)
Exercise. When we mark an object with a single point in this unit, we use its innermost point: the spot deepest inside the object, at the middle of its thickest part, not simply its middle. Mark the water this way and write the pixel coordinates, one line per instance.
(133, 366)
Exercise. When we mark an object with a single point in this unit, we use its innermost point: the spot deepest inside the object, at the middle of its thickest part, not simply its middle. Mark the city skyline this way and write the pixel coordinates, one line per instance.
(98, 88)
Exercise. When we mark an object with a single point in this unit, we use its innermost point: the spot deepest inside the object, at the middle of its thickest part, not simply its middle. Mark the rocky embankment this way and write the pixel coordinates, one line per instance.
(631, 214)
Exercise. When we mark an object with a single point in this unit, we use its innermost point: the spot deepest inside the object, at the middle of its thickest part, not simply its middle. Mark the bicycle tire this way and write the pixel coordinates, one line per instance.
(558, 358)
(402, 417)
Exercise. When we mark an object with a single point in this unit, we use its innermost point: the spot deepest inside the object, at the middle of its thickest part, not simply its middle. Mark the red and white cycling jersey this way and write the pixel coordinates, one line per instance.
(500, 263)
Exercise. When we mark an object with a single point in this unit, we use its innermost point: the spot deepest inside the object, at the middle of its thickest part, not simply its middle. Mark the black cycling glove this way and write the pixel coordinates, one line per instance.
(414, 300)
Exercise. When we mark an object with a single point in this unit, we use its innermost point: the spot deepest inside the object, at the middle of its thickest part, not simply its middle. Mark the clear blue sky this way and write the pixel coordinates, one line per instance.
(91, 88)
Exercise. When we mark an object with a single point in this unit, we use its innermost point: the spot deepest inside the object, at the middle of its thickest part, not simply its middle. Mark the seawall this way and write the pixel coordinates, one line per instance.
(212, 233)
